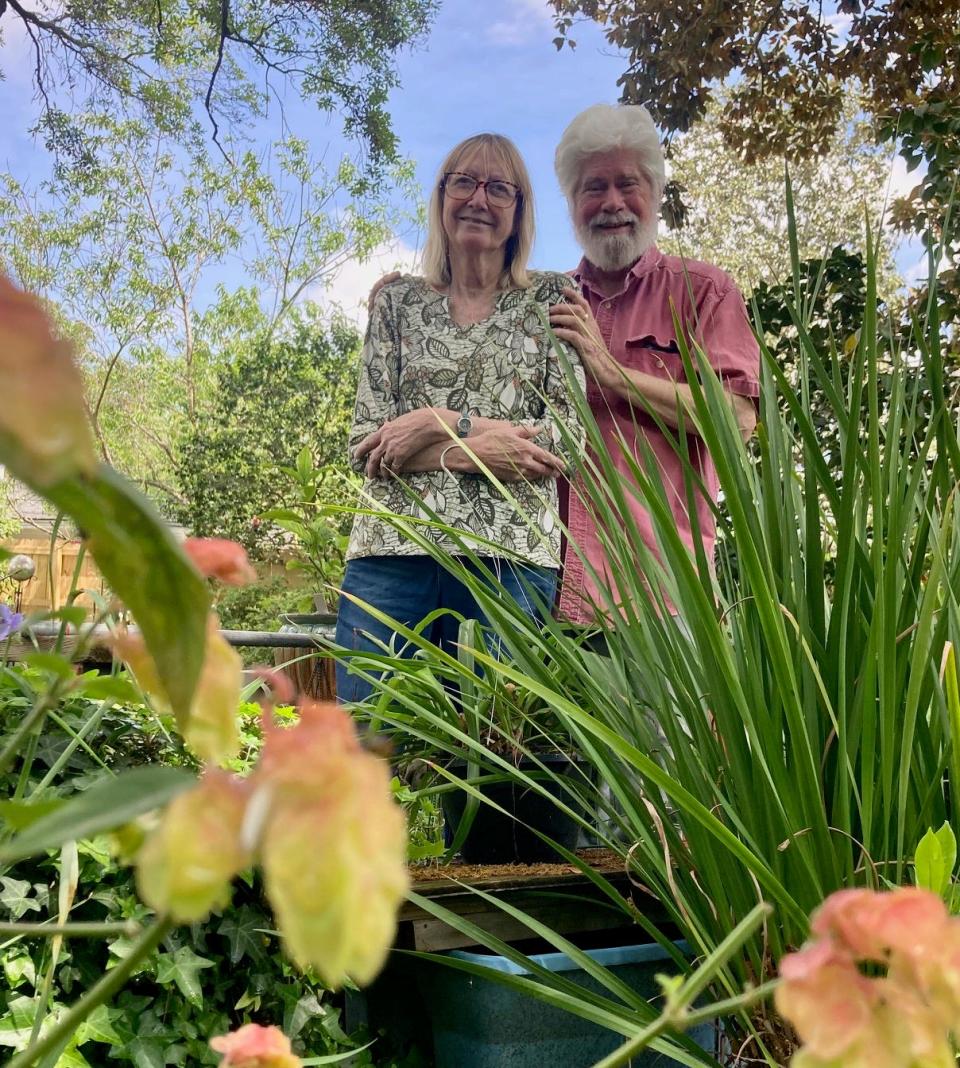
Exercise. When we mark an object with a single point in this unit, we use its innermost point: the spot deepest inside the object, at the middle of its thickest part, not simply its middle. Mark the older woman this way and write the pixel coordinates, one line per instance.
(459, 382)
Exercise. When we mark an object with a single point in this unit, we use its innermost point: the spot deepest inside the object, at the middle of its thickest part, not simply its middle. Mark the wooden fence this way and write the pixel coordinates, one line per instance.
(54, 576)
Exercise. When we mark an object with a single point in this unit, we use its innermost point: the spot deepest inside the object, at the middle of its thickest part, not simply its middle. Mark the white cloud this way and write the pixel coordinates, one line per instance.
(839, 23)
(348, 290)
(901, 180)
(526, 22)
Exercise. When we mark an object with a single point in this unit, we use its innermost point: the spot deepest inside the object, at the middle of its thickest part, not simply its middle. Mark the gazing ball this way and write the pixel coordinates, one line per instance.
(21, 567)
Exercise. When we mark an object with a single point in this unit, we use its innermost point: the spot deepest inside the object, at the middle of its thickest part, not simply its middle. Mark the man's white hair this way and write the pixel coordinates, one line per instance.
(601, 128)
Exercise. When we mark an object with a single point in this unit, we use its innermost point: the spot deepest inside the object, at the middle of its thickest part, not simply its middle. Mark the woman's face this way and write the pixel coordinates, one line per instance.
(476, 226)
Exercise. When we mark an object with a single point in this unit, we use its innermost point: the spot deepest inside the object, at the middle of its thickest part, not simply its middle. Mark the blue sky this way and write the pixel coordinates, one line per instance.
(493, 66)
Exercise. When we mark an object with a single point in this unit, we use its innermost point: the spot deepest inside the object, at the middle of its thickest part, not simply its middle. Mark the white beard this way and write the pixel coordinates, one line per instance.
(616, 252)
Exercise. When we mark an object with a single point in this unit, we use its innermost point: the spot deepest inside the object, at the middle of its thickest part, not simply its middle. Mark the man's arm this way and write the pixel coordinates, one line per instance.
(574, 322)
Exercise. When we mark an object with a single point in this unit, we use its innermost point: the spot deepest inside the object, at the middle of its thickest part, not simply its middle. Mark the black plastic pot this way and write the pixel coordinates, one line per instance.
(495, 838)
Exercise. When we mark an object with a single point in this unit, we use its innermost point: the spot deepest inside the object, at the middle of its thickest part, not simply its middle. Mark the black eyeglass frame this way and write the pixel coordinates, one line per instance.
(478, 184)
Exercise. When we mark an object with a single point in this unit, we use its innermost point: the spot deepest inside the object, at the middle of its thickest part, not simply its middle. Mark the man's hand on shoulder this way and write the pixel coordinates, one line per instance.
(573, 322)
(386, 280)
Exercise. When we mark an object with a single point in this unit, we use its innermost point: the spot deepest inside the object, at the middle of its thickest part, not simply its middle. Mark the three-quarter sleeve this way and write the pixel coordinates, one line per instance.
(378, 389)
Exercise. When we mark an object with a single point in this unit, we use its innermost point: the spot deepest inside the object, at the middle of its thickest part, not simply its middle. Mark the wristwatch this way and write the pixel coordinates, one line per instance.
(464, 425)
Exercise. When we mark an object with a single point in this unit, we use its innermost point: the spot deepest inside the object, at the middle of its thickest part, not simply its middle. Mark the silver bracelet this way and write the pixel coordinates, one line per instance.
(443, 455)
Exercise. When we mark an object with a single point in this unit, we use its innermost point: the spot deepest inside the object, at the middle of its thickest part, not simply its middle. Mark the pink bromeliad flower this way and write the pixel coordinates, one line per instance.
(253, 1046)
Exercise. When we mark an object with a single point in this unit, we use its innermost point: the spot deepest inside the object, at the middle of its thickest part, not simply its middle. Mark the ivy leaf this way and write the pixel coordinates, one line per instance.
(99, 1027)
(19, 969)
(182, 968)
(299, 1015)
(15, 897)
(69, 1058)
(146, 1053)
(16, 1026)
(243, 930)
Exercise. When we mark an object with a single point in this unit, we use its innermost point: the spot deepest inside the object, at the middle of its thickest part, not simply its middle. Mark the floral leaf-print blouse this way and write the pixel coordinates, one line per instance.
(503, 367)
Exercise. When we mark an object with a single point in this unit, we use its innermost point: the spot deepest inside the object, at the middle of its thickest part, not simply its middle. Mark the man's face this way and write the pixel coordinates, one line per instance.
(614, 214)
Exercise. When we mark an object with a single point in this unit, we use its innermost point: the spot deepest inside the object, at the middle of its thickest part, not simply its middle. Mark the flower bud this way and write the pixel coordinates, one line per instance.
(185, 866)
(210, 728)
(220, 559)
(253, 1046)
(44, 430)
(333, 847)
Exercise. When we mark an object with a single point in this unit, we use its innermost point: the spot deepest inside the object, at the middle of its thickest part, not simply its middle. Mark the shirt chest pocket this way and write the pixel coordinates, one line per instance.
(655, 354)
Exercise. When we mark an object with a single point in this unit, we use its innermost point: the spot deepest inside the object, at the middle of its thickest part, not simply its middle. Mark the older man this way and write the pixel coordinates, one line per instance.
(610, 166)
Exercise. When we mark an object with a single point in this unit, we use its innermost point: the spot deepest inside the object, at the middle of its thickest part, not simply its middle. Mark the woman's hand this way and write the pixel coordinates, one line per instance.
(388, 447)
(508, 454)
(573, 322)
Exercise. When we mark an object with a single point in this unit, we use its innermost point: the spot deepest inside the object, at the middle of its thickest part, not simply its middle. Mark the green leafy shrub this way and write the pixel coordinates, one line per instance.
(206, 977)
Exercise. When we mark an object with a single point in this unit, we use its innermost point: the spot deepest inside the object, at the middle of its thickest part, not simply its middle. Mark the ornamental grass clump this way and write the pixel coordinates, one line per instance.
(770, 725)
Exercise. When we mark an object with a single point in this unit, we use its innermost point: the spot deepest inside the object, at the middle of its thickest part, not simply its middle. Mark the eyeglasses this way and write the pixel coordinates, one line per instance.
(462, 186)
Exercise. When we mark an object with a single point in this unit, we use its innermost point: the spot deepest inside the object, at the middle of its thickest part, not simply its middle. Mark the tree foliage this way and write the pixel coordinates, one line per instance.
(735, 212)
(275, 397)
(161, 60)
(786, 69)
(787, 64)
(141, 259)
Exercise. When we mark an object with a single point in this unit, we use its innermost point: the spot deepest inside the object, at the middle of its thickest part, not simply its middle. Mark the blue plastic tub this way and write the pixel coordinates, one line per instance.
(478, 1023)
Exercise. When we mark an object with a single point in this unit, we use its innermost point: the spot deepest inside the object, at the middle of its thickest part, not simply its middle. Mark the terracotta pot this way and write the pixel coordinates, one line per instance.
(312, 675)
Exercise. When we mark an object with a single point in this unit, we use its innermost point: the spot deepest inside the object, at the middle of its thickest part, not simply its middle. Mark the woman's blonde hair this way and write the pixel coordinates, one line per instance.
(436, 252)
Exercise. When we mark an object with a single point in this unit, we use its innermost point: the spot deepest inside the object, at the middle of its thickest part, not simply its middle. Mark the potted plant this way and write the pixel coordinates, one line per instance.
(510, 779)
(319, 537)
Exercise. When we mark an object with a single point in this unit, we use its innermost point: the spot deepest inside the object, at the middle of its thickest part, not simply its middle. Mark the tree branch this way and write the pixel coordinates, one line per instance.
(208, 99)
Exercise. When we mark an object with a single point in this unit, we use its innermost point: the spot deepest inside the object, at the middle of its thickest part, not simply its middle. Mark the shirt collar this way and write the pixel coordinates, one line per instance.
(583, 272)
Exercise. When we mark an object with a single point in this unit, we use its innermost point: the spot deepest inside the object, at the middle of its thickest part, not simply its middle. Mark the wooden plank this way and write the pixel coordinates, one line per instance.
(574, 916)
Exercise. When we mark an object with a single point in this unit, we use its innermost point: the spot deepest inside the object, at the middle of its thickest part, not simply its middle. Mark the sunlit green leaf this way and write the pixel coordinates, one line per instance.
(113, 801)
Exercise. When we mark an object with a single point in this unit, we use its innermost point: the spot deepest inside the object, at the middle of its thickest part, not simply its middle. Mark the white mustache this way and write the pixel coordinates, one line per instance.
(614, 218)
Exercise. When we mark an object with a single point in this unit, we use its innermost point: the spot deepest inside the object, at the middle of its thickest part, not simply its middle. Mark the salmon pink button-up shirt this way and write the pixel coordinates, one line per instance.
(637, 326)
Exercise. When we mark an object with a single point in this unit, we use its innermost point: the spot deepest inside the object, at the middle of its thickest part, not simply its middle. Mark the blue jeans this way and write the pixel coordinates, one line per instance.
(407, 588)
